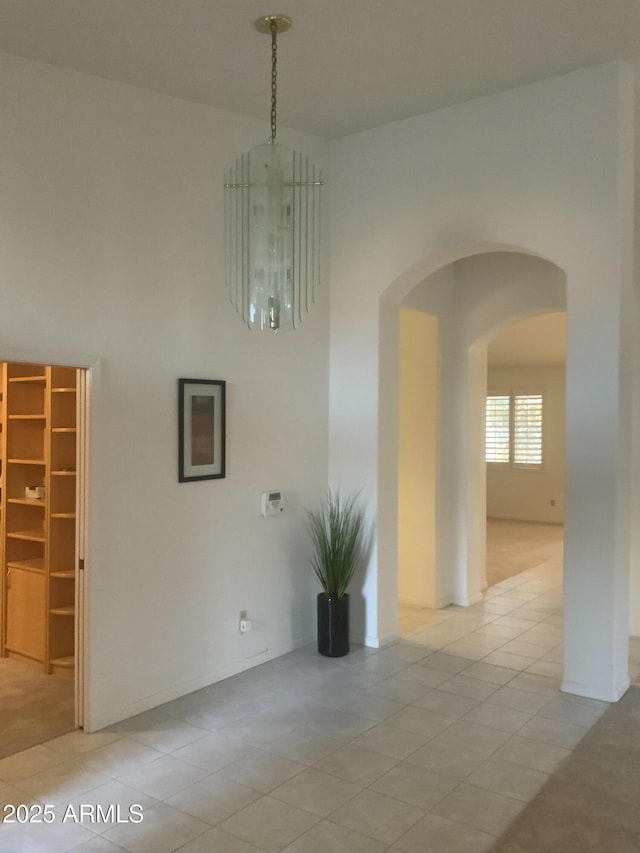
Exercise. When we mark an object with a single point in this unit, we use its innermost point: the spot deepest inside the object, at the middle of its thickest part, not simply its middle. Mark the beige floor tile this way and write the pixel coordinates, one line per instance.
(418, 720)
(447, 704)
(502, 777)
(498, 717)
(553, 732)
(79, 743)
(360, 766)
(303, 746)
(163, 830)
(339, 724)
(255, 730)
(25, 764)
(570, 709)
(478, 808)
(261, 770)
(502, 659)
(437, 834)
(269, 823)
(328, 837)
(217, 841)
(213, 799)
(549, 669)
(54, 837)
(447, 759)
(169, 734)
(446, 662)
(377, 816)
(164, 777)
(472, 688)
(414, 785)
(404, 651)
(473, 736)
(420, 673)
(97, 845)
(398, 690)
(391, 740)
(519, 700)
(485, 670)
(465, 648)
(213, 752)
(316, 792)
(528, 650)
(531, 753)
(57, 785)
(115, 801)
(532, 683)
(120, 757)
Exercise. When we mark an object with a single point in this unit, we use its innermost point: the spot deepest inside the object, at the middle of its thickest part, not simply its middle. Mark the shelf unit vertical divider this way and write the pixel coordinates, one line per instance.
(47, 517)
(3, 508)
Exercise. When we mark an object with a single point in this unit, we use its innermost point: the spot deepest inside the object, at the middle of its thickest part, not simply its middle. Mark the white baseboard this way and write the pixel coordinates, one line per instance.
(590, 691)
(467, 602)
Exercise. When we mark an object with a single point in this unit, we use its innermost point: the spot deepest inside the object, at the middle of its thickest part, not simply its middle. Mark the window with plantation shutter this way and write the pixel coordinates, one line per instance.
(498, 428)
(527, 429)
(514, 429)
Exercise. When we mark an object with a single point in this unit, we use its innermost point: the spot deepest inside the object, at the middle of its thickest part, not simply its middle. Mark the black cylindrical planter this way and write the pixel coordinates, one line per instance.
(333, 625)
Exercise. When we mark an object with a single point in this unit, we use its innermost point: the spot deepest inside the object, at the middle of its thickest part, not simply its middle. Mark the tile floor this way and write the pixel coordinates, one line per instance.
(434, 743)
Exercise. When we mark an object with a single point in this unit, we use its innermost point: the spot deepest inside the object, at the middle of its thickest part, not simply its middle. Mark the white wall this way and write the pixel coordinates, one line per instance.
(548, 167)
(526, 494)
(111, 221)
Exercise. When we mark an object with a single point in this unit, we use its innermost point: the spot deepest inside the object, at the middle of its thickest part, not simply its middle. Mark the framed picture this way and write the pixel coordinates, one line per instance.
(201, 429)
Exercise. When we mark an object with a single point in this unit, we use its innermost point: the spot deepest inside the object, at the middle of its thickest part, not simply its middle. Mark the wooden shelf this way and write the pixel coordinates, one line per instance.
(35, 564)
(38, 427)
(37, 380)
(68, 610)
(64, 663)
(27, 417)
(36, 535)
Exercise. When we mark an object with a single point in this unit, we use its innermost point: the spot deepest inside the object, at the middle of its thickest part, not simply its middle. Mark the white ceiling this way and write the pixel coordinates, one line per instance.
(540, 340)
(346, 65)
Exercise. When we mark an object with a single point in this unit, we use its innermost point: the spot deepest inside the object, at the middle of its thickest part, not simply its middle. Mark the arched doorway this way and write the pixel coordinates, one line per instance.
(444, 324)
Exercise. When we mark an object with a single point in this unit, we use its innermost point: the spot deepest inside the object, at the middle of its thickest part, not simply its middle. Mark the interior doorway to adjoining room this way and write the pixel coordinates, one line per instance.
(42, 454)
(524, 447)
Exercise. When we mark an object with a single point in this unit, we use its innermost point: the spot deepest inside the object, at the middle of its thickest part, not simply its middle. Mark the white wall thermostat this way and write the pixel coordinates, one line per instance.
(272, 503)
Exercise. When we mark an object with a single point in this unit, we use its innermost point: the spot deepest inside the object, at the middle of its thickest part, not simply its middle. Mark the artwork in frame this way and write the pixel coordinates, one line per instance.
(201, 429)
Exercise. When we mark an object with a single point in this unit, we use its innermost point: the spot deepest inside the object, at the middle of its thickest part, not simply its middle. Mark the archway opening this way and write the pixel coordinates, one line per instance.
(444, 325)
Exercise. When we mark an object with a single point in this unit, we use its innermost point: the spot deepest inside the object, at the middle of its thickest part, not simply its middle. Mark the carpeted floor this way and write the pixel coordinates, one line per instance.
(516, 546)
(592, 802)
(33, 707)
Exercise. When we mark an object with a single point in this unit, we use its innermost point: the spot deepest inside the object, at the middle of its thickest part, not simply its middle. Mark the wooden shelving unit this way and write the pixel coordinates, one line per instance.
(38, 424)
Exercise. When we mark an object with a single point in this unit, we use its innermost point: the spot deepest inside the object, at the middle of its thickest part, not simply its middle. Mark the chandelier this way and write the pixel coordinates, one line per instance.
(272, 223)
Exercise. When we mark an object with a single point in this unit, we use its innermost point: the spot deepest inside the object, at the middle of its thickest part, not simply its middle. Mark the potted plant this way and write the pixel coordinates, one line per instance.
(337, 530)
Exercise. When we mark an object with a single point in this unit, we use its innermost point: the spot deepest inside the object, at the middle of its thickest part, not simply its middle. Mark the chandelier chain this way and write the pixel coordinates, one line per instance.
(274, 76)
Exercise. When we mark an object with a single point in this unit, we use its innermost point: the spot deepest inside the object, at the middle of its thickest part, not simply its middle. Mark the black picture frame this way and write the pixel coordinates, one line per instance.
(201, 429)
